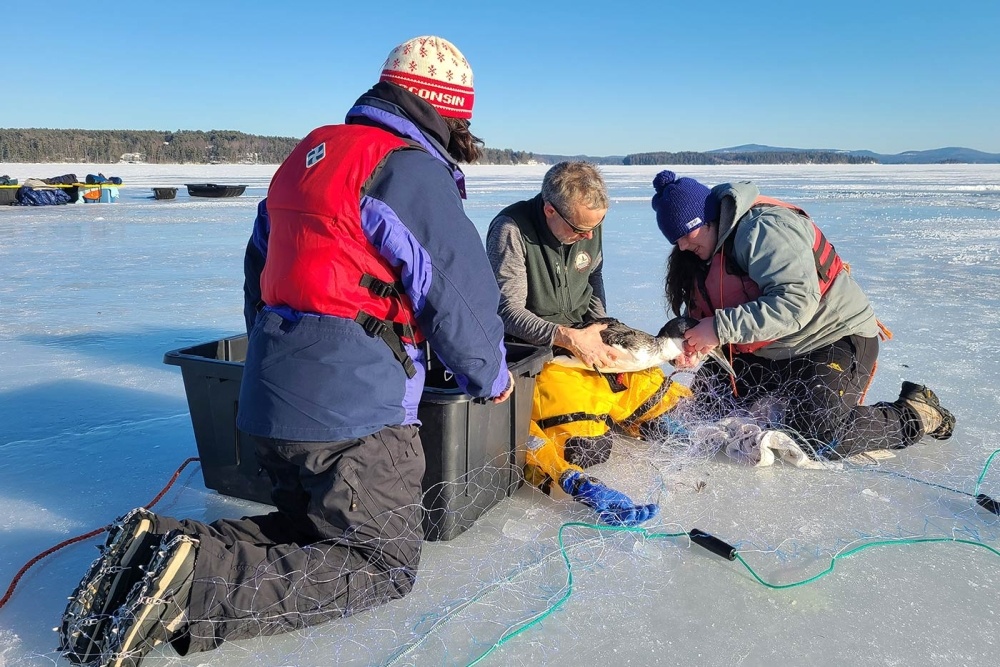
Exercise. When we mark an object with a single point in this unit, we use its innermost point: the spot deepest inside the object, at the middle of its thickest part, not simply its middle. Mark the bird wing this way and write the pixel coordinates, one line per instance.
(626, 362)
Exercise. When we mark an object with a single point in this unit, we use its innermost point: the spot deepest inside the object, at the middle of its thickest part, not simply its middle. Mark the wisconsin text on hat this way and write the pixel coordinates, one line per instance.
(438, 97)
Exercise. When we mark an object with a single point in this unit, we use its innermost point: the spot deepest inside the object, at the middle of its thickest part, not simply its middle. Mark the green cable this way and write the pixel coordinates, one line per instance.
(402, 653)
(985, 469)
(569, 577)
(648, 535)
(868, 545)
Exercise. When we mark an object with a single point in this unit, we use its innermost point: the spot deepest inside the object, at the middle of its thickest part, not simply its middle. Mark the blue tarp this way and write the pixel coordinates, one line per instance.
(42, 197)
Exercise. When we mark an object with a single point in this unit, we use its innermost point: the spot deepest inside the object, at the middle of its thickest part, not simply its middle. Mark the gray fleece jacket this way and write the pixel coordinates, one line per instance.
(773, 245)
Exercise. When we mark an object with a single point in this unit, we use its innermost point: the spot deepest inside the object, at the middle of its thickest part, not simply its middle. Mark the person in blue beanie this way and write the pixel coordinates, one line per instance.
(773, 293)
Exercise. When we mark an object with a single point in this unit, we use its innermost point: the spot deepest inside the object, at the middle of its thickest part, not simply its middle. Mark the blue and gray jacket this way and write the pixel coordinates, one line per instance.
(311, 377)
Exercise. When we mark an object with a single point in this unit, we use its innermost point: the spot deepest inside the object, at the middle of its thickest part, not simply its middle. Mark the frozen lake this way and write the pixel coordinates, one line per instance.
(94, 423)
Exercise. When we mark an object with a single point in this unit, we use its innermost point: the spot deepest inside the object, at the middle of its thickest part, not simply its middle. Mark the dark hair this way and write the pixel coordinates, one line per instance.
(463, 145)
(685, 272)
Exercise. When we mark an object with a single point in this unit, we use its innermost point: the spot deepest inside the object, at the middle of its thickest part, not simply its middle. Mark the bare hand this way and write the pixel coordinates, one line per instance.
(689, 359)
(506, 392)
(587, 345)
(701, 338)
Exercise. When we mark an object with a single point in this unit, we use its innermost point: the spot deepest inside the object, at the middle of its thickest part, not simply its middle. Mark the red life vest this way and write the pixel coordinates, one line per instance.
(724, 289)
(318, 258)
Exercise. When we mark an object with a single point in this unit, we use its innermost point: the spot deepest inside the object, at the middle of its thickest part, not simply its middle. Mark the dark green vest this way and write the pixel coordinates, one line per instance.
(558, 275)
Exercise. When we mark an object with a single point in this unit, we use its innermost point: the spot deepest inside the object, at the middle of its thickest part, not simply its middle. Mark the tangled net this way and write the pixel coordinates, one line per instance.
(789, 519)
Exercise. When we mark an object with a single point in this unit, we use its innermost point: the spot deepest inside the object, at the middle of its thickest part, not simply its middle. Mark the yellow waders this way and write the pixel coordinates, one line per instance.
(573, 410)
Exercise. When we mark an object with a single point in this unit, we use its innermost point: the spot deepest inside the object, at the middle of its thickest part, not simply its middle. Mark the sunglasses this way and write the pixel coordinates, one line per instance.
(578, 230)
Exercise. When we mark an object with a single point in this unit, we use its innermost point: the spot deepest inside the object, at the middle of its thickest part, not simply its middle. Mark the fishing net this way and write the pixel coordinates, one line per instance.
(538, 574)
(536, 580)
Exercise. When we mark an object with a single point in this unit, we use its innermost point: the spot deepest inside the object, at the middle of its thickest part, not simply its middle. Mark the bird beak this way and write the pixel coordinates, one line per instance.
(722, 361)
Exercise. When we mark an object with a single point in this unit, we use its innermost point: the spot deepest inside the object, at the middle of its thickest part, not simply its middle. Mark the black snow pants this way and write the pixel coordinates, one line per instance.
(346, 537)
(823, 390)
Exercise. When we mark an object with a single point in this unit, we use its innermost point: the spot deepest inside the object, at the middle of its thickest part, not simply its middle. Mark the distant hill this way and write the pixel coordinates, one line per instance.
(934, 156)
(760, 148)
(761, 154)
(941, 156)
(233, 147)
(778, 156)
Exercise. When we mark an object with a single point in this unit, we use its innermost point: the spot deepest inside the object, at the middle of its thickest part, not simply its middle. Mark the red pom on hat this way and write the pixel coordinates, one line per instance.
(434, 70)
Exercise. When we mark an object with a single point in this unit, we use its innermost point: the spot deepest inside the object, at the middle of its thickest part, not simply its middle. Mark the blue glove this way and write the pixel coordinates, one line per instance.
(613, 507)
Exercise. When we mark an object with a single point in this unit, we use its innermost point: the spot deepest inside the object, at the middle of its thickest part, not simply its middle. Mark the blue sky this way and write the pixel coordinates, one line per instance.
(550, 77)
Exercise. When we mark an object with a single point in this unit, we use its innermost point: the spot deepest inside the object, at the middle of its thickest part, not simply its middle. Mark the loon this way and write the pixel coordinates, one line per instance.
(638, 350)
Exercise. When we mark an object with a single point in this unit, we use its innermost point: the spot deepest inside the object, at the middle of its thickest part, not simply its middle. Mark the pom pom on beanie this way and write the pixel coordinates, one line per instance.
(682, 205)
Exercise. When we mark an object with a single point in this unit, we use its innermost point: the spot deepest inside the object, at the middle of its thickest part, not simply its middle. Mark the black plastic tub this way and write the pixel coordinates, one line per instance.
(164, 193)
(474, 449)
(214, 190)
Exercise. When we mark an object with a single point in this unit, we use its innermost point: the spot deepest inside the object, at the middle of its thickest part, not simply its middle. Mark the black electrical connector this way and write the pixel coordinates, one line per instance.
(988, 503)
(712, 543)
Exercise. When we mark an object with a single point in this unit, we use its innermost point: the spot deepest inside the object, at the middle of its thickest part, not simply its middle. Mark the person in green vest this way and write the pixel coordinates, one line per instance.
(546, 253)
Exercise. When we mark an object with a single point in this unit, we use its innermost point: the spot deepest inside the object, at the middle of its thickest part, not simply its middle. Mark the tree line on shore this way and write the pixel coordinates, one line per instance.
(158, 147)
(232, 147)
(152, 146)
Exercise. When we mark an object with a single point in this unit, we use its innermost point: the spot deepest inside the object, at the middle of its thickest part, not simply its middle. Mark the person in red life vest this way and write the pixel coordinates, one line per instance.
(770, 289)
(360, 254)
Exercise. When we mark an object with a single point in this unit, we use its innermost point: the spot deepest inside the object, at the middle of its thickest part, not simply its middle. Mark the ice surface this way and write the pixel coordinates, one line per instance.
(94, 424)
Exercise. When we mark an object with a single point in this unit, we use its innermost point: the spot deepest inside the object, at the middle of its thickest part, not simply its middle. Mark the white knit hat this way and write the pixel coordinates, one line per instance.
(434, 70)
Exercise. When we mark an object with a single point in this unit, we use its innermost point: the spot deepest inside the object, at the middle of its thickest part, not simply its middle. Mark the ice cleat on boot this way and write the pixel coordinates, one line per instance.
(128, 547)
(937, 422)
(156, 609)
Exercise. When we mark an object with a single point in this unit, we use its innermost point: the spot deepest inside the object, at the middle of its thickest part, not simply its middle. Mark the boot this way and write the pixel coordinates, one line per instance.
(935, 420)
(156, 608)
(129, 547)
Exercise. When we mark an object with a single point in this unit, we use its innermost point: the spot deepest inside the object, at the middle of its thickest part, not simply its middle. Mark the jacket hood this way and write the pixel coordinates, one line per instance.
(398, 110)
(735, 199)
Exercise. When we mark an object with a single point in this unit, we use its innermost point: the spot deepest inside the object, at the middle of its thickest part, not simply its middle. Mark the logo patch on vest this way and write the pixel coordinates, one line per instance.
(581, 262)
(315, 155)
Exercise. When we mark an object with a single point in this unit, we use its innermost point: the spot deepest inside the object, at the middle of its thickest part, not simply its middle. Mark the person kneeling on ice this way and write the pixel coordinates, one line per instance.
(546, 253)
(360, 252)
(767, 286)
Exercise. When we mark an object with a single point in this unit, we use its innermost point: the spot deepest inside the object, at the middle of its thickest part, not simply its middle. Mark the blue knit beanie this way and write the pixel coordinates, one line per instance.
(682, 205)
